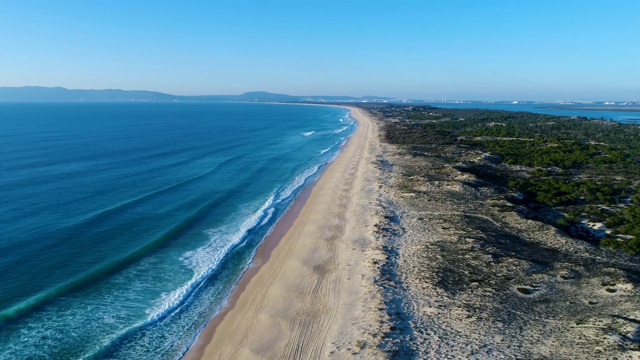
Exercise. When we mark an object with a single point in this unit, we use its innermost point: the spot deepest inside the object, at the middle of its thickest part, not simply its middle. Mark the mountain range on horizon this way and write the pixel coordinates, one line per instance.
(61, 94)
(40, 93)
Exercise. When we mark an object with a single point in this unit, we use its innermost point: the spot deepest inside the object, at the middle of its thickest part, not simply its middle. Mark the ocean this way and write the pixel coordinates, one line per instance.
(126, 225)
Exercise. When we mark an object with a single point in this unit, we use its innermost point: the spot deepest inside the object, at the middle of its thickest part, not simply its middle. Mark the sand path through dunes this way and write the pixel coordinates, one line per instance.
(314, 297)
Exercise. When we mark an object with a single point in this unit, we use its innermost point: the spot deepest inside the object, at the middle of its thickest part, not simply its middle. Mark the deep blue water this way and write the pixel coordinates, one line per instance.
(597, 112)
(125, 225)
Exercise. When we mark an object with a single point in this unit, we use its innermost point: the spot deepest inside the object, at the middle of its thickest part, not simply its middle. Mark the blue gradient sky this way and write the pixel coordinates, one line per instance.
(485, 50)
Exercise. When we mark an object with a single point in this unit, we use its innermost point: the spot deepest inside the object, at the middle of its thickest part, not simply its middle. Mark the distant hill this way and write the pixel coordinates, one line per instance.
(38, 93)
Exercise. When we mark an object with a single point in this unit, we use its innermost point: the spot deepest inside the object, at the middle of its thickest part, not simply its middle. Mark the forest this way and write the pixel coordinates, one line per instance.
(582, 170)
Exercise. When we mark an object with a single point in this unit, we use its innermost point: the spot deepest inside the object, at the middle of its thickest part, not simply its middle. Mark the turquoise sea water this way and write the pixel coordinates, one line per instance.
(125, 225)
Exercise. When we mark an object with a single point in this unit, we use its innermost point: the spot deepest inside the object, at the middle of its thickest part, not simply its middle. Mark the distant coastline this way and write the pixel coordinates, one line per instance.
(591, 108)
(40, 93)
(61, 94)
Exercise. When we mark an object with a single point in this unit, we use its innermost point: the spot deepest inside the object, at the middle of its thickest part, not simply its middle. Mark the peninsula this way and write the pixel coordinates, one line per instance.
(441, 233)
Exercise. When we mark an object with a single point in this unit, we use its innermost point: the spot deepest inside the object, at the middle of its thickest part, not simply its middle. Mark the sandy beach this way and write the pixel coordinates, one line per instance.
(310, 293)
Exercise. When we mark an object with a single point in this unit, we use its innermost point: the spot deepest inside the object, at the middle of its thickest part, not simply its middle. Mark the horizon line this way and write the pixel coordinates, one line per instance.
(372, 97)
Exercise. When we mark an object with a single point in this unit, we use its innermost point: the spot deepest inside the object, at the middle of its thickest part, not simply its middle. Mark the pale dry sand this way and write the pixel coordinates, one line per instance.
(314, 297)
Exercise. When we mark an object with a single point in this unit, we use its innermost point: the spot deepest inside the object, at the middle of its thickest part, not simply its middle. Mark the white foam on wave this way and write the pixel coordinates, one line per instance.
(349, 120)
(297, 182)
(205, 259)
(335, 155)
(308, 133)
(341, 130)
(337, 143)
(268, 216)
(341, 120)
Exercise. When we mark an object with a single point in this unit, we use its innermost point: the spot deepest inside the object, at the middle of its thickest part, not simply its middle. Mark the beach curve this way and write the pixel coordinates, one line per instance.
(310, 293)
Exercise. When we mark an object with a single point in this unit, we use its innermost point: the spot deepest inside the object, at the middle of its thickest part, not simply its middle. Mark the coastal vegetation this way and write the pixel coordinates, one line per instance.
(486, 214)
(580, 175)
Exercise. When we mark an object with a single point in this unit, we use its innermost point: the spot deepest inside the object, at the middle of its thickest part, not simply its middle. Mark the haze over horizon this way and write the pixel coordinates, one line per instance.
(502, 50)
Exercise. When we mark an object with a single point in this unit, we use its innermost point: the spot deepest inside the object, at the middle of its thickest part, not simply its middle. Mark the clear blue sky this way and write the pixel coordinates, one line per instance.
(538, 50)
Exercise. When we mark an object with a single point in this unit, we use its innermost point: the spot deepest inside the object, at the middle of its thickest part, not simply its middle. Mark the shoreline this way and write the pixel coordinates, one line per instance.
(596, 108)
(230, 325)
(262, 252)
(261, 256)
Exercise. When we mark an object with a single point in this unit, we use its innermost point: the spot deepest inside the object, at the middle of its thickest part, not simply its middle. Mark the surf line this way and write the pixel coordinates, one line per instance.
(262, 255)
